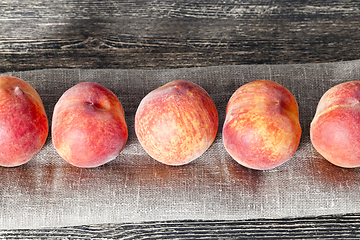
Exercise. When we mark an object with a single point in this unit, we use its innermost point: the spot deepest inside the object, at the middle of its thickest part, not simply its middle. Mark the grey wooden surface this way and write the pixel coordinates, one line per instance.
(322, 227)
(169, 34)
(173, 34)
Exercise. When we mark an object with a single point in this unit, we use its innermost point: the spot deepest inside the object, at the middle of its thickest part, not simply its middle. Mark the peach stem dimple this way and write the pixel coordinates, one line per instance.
(96, 105)
(18, 90)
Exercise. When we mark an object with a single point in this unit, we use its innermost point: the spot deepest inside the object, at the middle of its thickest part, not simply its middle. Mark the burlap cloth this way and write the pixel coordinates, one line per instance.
(48, 192)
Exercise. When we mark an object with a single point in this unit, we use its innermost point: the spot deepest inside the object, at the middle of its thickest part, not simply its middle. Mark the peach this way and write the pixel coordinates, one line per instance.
(261, 129)
(23, 122)
(335, 128)
(88, 125)
(176, 123)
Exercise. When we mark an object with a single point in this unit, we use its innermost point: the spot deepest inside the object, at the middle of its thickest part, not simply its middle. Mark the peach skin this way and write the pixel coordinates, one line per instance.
(335, 128)
(23, 122)
(176, 123)
(88, 125)
(262, 129)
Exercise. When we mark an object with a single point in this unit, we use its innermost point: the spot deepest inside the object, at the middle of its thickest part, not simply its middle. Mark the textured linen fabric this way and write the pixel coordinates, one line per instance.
(48, 192)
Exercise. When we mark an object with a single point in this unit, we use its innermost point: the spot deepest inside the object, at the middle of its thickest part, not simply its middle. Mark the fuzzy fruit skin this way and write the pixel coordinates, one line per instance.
(335, 128)
(23, 122)
(88, 125)
(176, 123)
(262, 129)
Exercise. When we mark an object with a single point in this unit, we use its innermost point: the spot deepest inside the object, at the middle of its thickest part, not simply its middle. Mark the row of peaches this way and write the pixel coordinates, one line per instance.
(176, 123)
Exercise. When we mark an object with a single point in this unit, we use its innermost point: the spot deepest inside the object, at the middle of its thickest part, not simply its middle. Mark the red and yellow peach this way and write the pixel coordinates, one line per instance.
(335, 128)
(88, 125)
(176, 123)
(23, 122)
(262, 129)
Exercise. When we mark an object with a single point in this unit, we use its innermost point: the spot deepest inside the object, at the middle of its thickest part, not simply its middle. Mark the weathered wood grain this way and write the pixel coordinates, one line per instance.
(171, 34)
(322, 227)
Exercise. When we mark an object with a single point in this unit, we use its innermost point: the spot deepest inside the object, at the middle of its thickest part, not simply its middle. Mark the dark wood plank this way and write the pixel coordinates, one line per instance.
(322, 227)
(170, 34)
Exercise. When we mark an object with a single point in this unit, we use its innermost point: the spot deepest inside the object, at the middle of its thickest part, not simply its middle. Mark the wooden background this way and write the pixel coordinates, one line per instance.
(173, 34)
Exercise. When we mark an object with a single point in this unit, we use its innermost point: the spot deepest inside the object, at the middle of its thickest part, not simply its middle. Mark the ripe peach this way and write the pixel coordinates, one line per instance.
(88, 125)
(176, 123)
(262, 129)
(23, 122)
(335, 129)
